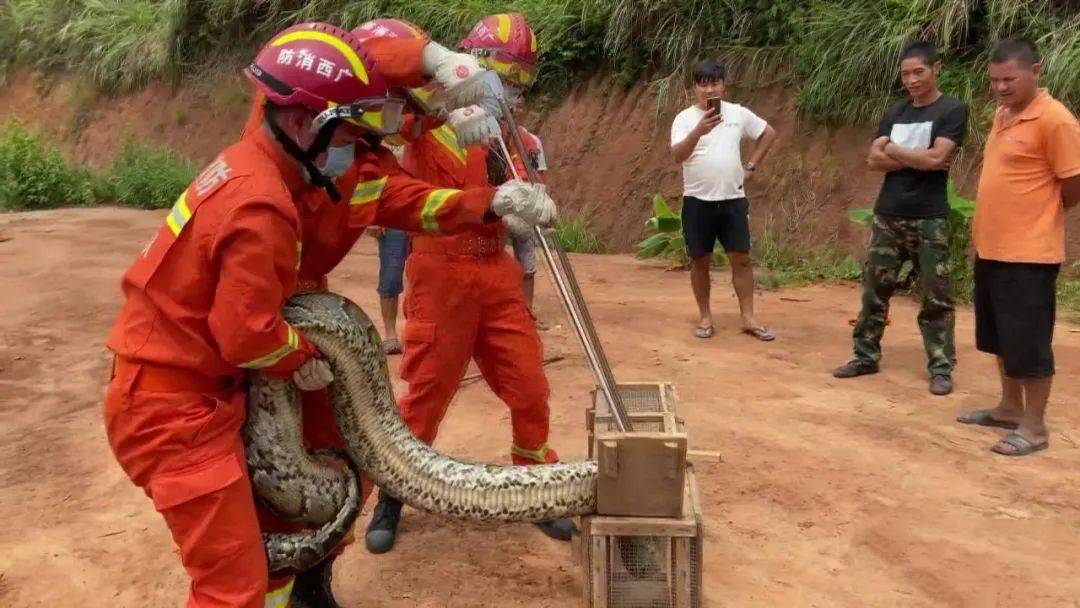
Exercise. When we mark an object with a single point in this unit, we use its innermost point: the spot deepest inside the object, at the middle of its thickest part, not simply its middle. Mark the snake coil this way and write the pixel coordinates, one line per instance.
(318, 492)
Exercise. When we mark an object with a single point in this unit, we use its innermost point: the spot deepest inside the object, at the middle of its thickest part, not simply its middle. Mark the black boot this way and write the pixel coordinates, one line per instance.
(382, 531)
(312, 587)
(559, 529)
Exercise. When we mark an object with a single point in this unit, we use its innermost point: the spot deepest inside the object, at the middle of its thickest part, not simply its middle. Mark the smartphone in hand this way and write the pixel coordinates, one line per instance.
(716, 104)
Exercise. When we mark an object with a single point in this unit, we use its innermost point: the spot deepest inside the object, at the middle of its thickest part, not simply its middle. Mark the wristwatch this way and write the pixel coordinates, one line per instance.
(750, 167)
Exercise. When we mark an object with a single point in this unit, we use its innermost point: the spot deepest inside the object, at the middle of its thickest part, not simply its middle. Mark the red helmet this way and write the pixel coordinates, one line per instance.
(388, 28)
(325, 69)
(506, 44)
(426, 97)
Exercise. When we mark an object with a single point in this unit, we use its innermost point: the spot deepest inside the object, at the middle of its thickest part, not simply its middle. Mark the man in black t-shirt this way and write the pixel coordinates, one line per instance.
(915, 142)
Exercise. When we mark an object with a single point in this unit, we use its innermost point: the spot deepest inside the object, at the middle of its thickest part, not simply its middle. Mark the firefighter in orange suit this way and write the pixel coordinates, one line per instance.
(379, 193)
(464, 296)
(203, 304)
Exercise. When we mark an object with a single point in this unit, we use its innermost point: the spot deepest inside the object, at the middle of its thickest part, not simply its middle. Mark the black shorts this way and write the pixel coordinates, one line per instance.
(1015, 306)
(705, 222)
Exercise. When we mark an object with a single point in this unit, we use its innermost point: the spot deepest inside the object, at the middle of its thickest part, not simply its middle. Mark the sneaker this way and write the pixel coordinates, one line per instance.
(559, 529)
(382, 531)
(855, 368)
(940, 384)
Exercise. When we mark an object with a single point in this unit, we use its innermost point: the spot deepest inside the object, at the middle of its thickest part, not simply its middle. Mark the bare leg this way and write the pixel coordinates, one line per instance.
(1033, 424)
(742, 278)
(1036, 396)
(699, 280)
(389, 308)
(1011, 406)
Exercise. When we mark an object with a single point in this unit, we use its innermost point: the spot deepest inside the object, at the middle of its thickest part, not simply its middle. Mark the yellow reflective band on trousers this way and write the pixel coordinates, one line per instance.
(434, 202)
(279, 598)
(448, 139)
(538, 455)
(368, 192)
(279, 354)
(179, 215)
(299, 253)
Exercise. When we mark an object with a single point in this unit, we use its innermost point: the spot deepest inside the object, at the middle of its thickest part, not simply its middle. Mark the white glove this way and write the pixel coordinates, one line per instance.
(313, 375)
(527, 201)
(464, 81)
(473, 125)
(518, 227)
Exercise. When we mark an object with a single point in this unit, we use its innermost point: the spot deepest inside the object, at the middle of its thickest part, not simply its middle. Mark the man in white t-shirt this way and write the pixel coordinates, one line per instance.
(705, 138)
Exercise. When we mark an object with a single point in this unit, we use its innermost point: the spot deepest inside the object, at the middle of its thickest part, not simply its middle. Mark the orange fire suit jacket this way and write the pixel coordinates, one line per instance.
(206, 293)
(376, 192)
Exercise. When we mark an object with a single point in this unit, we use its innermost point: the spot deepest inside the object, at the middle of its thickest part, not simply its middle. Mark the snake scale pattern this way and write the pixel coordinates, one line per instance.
(309, 490)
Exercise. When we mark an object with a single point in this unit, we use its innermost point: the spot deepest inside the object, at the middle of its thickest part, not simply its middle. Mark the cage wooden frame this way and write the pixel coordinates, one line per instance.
(607, 542)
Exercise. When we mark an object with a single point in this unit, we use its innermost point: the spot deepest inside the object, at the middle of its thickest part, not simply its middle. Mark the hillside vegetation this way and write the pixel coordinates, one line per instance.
(840, 55)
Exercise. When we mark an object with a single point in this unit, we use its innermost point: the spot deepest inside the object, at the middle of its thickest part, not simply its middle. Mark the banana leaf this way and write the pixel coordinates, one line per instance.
(661, 208)
(669, 224)
(964, 207)
(653, 246)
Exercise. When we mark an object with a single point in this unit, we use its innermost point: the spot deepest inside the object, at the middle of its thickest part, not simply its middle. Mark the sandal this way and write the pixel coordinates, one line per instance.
(761, 333)
(1023, 446)
(704, 332)
(983, 418)
(392, 347)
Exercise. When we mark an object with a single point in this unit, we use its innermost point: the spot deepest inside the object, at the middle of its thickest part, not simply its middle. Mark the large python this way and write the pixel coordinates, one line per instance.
(302, 488)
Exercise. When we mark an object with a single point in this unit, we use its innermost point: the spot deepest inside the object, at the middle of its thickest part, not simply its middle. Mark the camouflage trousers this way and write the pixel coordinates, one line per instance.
(926, 243)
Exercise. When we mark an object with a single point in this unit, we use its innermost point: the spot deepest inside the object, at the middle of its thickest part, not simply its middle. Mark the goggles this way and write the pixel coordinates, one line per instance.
(382, 116)
(514, 70)
(429, 98)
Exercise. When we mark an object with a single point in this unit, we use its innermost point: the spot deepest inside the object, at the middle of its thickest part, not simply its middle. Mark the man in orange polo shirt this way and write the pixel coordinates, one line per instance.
(1030, 177)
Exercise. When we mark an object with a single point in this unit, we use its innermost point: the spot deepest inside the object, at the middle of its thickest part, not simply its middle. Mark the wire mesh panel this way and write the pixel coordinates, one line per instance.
(645, 404)
(640, 426)
(640, 572)
(636, 398)
(637, 568)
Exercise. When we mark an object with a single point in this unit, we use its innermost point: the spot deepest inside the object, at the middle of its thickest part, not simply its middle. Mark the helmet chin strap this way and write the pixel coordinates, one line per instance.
(306, 157)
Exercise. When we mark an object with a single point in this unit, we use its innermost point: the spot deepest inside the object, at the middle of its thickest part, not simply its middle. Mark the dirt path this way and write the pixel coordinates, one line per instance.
(830, 494)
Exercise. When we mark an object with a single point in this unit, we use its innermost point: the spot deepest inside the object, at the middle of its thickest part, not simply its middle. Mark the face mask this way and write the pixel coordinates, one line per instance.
(338, 160)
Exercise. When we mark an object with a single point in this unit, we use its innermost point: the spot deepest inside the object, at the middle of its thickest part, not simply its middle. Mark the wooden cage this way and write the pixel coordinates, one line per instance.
(643, 548)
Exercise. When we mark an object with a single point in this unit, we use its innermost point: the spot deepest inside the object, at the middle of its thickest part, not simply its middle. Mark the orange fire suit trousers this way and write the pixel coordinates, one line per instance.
(184, 449)
(459, 307)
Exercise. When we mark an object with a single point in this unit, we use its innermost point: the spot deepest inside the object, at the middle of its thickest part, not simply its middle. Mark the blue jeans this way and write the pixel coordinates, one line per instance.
(393, 249)
(525, 252)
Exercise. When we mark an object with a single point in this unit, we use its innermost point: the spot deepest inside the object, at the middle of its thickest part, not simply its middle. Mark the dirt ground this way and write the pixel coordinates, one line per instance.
(830, 494)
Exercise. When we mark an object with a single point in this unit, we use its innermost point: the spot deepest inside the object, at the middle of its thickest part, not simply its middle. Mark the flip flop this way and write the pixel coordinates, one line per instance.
(392, 347)
(983, 418)
(704, 332)
(761, 333)
(1023, 445)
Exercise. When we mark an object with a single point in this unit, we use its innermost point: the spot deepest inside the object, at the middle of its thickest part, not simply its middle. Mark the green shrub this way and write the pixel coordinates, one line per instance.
(148, 178)
(786, 261)
(575, 235)
(34, 175)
